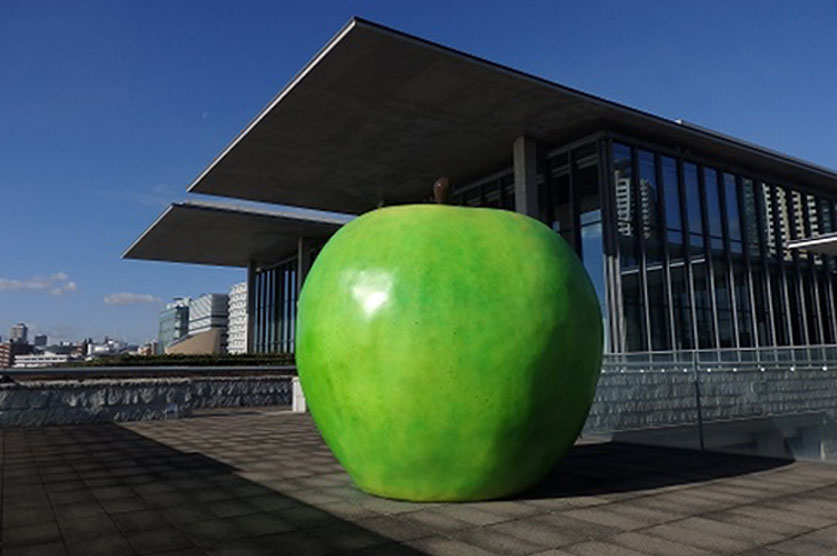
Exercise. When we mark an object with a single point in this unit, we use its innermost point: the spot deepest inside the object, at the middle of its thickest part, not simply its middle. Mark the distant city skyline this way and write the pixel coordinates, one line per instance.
(109, 110)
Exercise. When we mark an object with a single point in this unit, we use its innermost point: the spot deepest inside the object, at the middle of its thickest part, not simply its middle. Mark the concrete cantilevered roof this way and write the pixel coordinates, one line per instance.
(377, 115)
(227, 234)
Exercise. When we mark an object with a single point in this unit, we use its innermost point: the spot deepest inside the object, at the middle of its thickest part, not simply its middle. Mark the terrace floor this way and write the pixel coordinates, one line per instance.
(261, 481)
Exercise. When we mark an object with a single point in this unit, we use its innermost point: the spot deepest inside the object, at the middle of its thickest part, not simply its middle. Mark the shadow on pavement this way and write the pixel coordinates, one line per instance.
(595, 469)
(104, 489)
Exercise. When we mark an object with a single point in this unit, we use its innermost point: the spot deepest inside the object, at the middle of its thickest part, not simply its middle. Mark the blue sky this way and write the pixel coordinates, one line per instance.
(109, 109)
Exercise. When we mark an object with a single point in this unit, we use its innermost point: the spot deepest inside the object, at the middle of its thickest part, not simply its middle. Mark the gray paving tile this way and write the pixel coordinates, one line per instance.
(468, 514)
(158, 540)
(42, 532)
(803, 547)
(112, 545)
(565, 527)
(680, 534)
(211, 532)
(540, 533)
(492, 539)
(253, 525)
(655, 546)
(441, 546)
(48, 549)
(143, 520)
(603, 515)
(599, 548)
(438, 523)
(397, 529)
(83, 527)
(783, 528)
(728, 530)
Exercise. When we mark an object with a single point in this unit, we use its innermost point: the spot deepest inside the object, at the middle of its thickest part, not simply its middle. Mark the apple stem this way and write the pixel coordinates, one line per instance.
(441, 190)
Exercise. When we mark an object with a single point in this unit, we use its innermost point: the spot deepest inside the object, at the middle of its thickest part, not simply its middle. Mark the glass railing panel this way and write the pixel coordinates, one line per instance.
(646, 403)
(787, 410)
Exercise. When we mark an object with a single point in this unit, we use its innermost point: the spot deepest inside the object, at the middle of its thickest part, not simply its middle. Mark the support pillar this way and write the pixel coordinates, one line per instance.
(303, 261)
(251, 307)
(524, 156)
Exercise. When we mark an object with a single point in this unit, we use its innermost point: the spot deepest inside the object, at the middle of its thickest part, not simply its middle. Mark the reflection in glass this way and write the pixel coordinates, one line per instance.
(692, 192)
(780, 316)
(586, 184)
(723, 304)
(795, 307)
(681, 307)
(703, 306)
(713, 207)
(649, 207)
(761, 307)
(742, 305)
(592, 255)
(632, 297)
(731, 202)
(657, 308)
(634, 315)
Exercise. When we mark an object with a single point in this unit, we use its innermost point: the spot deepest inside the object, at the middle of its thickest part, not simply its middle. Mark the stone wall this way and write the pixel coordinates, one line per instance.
(627, 401)
(57, 402)
(634, 400)
(774, 412)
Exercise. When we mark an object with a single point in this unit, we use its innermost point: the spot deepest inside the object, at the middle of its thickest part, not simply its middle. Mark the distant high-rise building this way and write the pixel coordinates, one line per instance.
(10, 350)
(237, 334)
(174, 322)
(6, 355)
(19, 333)
(40, 340)
(208, 312)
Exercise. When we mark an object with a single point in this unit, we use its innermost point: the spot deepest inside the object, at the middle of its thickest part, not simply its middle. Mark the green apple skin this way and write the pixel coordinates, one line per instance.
(448, 353)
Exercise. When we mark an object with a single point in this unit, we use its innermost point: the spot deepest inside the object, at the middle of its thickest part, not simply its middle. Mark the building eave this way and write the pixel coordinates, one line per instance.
(378, 114)
(226, 234)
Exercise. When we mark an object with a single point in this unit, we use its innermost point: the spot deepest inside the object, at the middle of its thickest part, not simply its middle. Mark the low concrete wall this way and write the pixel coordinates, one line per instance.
(779, 413)
(642, 400)
(58, 402)
(626, 401)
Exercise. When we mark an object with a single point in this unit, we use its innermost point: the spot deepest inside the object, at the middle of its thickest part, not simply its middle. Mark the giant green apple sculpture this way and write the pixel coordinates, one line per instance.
(448, 353)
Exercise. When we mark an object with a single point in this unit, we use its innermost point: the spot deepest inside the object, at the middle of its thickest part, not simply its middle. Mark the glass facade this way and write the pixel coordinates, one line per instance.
(683, 253)
(274, 299)
(704, 256)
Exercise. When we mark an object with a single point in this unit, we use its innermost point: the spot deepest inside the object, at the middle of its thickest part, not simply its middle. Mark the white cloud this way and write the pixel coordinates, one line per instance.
(127, 298)
(57, 284)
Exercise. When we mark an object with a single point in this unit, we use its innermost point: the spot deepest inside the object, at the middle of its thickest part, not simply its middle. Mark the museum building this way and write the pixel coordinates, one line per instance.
(693, 239)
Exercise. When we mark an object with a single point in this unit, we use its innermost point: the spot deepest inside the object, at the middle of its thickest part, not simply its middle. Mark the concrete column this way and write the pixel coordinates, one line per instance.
(524, 156)
(298, 404)
(303, 261)
(251, 305)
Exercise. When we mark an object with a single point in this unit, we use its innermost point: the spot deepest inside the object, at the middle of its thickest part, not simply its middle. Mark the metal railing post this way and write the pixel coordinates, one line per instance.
(696, 379)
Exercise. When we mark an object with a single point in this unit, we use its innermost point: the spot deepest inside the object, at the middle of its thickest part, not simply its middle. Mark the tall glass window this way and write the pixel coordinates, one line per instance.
(674, 223)
(680, 297)
(652, 240)
(681, 306)
(693, 204)
(563, 220)
(703, 305)
(719, 238)
(275, 305)
(713, 210)
(625, 201)
(585, 180)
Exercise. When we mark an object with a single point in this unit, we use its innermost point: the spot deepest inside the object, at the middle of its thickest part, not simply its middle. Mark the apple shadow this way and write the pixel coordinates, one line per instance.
(594, 469)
